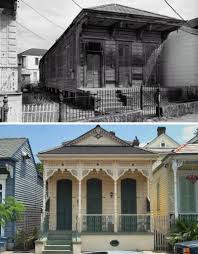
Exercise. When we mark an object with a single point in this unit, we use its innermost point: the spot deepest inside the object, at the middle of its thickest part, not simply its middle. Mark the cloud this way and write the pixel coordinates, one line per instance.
(188, 133)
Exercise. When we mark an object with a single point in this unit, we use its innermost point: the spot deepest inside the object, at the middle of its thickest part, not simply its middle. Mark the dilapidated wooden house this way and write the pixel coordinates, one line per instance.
(109, 46)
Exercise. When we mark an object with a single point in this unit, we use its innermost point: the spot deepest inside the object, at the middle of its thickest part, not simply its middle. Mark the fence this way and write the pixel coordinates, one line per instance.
(88, 105)
(47, 112)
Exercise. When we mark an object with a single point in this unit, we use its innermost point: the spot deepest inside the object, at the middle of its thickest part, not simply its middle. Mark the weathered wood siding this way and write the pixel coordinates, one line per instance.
(28, 189)
(65, 64)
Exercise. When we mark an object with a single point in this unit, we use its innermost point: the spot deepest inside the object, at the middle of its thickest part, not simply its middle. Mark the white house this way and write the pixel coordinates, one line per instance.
(8, 60)
(29, 66)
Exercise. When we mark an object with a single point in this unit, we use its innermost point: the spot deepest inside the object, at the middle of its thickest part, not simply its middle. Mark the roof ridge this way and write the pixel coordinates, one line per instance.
(13, 138)
(132, 8)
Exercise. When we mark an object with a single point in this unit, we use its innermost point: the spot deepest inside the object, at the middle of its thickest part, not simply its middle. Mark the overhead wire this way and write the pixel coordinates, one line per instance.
(77, 4)
(43, 16)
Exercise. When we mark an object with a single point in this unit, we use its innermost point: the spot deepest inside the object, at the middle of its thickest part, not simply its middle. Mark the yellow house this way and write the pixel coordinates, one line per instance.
(175, 183)
(97, 195)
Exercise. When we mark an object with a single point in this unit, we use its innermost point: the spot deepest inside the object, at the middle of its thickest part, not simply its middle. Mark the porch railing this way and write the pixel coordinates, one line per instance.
(134, 223)
(192, 217)
(97, 223)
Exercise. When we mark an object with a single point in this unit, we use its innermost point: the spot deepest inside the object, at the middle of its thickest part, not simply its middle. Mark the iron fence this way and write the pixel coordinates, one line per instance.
(85, 106)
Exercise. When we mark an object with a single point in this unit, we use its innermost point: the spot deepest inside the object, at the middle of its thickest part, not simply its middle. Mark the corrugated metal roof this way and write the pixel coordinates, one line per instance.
(79, 149)
(128, 10)
(33, 52)
(8, 146)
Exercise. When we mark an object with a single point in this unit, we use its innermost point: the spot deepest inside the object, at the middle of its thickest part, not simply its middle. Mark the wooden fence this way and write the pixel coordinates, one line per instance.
(47, 112)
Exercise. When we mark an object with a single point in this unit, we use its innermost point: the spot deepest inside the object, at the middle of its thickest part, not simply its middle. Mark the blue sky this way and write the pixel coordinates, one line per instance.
(47, 136)
(62, 12)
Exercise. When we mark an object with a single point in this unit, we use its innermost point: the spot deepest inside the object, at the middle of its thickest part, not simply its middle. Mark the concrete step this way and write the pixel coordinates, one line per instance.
(59, 237)
(59, 232)
(59, 242)
(57, 252)
(58, 247)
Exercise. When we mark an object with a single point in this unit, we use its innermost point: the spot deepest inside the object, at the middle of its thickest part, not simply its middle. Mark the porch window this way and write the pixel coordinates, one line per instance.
(187, 195)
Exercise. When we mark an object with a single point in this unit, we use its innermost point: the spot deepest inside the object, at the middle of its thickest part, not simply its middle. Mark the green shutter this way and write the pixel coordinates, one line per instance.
(187, 195)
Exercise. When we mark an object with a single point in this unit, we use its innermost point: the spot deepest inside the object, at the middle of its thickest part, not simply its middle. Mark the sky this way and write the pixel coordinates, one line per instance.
(62, 12)
(43, 137)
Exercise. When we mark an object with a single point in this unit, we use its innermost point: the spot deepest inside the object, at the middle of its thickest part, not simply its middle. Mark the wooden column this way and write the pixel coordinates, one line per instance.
(44, 198)
(115, 207)
(79, 205)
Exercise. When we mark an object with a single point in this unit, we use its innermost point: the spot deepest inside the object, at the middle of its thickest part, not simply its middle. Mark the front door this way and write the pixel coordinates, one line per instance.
(94, 205)
(124, 65)
(93, 70)
(64, 205)
(128, 205)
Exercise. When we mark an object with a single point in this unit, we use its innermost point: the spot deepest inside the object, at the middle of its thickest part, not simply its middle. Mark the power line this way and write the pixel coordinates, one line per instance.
(40, 37)
(174, 10)
(49, 20)
(77, 4)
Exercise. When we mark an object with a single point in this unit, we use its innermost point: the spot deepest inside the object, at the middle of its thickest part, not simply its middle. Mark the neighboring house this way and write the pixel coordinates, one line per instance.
(162, 144)
(175, 182)
(109, 46)
(29, 66)
(19, 178)
(179, 57)
(8, 60)
(99, 186)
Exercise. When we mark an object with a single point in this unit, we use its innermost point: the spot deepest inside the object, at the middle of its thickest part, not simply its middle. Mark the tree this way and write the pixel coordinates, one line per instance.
(10, 210)
(39, 167)
(196, 132)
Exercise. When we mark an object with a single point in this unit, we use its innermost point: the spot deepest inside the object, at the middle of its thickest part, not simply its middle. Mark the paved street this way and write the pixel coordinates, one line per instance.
(181, 119)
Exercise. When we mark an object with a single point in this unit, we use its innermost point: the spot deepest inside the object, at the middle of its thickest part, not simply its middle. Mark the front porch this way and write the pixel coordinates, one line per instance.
(98, 200)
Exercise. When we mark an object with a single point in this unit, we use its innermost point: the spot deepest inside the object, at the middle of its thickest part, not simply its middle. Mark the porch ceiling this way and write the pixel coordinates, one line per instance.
(132, 22)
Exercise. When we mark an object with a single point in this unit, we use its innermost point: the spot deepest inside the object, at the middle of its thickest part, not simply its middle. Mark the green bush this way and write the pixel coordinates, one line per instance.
(183, 231)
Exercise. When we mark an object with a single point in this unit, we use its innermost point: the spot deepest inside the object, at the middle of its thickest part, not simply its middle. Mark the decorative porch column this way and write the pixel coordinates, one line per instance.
(175, 165)
(44, 196)
(115, 207)
(79, 205)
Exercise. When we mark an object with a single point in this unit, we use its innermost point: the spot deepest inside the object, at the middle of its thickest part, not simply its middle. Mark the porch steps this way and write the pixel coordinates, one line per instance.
(58, 242)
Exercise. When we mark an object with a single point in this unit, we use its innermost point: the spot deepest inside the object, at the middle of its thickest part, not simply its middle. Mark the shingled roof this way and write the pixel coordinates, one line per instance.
(117, 8)
(97, 150)
(9, 146)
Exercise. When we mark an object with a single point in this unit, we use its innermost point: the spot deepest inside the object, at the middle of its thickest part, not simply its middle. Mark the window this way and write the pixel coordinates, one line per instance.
(188, 197)
(23, 61)
(36, 61)
(163, 145)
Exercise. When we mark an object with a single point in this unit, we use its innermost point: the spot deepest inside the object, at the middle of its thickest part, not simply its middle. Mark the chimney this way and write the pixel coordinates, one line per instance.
(136, 142)
(161, 130)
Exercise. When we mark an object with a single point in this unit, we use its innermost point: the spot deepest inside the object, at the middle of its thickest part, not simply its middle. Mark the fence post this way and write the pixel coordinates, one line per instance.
(158, 109)
(5, 108)
(61, 107)
(141, 97)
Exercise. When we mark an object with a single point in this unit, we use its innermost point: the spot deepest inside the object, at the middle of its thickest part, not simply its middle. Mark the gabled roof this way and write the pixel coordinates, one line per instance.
(193, 140)
(9, 146)
(72, 147)
(33, 52)
(117, 8)
(97, 130)
(187, 149)
(162, 135)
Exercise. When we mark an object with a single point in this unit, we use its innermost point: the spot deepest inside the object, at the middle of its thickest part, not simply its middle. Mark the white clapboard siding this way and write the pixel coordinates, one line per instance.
(47, 112)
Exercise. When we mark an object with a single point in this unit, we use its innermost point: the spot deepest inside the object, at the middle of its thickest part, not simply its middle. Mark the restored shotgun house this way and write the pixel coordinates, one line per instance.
(19, 178)
(110, 46)
(97, 184)
(175, 183)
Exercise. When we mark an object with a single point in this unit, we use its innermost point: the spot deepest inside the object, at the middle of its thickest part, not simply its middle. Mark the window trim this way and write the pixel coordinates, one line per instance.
(3, 183)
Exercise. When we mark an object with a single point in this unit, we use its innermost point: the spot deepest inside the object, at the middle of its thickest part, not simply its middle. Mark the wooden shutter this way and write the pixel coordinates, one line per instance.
(187, 195)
